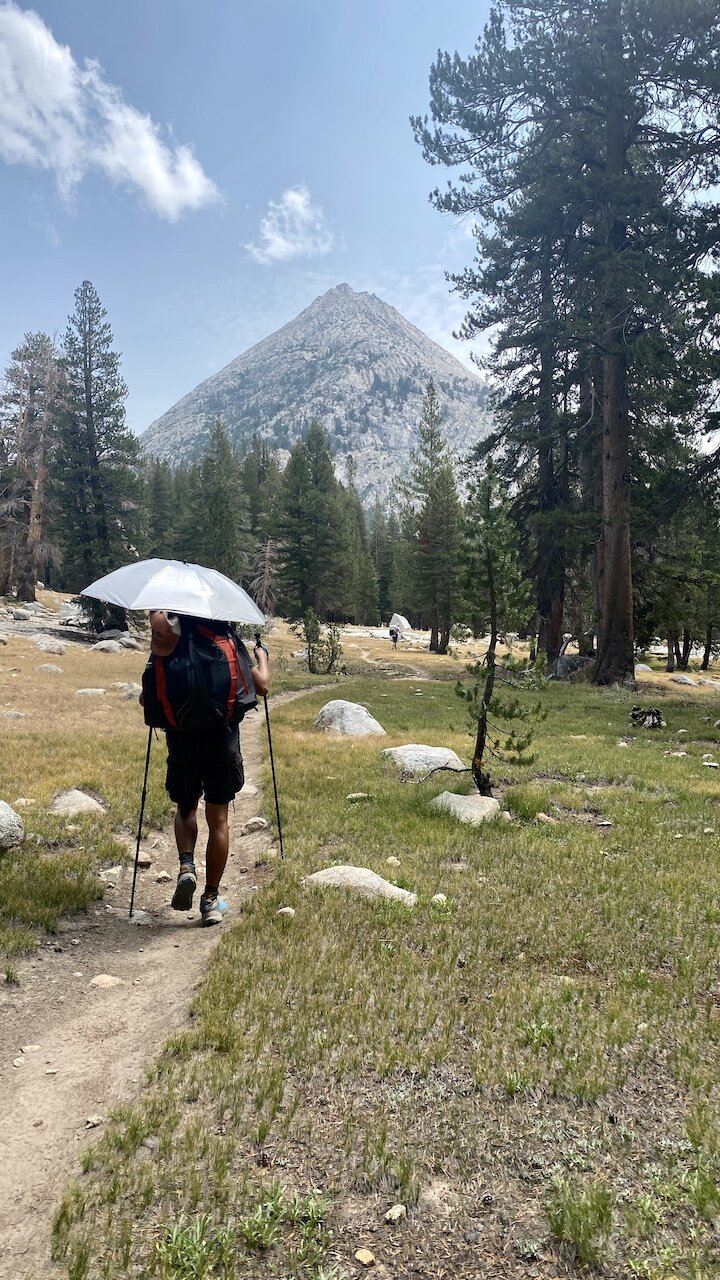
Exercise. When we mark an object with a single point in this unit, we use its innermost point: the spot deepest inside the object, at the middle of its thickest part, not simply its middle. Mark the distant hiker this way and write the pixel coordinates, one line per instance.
(394, 636)
(197, 686)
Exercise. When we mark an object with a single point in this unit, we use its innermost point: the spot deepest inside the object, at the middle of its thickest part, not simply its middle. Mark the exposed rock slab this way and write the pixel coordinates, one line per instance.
(349, 718)
(682, 680)
(361, 881)
(473, 809)
(107, 646)
(417, 759)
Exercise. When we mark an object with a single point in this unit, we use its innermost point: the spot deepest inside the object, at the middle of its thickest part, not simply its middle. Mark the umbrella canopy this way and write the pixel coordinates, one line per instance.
(179, 588)
(398, 623)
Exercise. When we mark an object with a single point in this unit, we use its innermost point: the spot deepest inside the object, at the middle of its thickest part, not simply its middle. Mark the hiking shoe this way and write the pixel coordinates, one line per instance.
(212, 910)
(185, 887)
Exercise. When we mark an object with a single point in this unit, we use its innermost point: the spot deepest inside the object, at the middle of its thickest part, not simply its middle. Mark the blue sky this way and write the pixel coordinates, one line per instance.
(214, 167)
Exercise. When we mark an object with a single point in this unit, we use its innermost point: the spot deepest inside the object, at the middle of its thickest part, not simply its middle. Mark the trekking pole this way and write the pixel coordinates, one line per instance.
(272, 758)
(142, 814)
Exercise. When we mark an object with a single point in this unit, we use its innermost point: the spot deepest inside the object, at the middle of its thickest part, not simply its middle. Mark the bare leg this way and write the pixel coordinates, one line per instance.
(217, 847)
(186, 830)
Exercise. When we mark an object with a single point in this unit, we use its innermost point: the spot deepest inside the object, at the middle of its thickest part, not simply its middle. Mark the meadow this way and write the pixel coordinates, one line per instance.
(522, 1076)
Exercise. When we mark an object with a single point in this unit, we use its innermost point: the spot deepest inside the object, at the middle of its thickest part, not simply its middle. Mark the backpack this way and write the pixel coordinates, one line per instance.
(206, 682)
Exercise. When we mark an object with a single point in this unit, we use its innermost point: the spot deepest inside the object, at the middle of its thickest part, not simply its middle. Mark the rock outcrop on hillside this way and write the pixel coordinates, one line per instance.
(350, 361)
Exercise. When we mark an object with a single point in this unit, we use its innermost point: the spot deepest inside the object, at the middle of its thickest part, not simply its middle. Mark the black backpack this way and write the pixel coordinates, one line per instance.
(206, 682)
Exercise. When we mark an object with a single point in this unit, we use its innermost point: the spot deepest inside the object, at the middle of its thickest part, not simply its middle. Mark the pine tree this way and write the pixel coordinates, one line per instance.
(162, 509)
(434, 500)
(495, 599)
(95, 475)
(226, 542)
(311, 530)
(28, 410)
(607, 151)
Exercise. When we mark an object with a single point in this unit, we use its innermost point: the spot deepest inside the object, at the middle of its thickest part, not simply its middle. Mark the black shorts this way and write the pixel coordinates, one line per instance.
(204, 763)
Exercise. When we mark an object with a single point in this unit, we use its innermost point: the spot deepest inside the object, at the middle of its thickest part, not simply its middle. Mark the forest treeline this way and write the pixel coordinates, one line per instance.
(458, 543)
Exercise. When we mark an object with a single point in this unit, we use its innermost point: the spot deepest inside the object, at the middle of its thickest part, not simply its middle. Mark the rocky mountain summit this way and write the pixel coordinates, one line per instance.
(350, 361)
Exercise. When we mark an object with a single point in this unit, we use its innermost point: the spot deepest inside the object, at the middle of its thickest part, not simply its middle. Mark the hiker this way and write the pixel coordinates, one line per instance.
(205, 762)
(394, 637)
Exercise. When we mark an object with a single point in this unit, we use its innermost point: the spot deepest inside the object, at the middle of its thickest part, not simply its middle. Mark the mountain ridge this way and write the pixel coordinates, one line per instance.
(352, 362)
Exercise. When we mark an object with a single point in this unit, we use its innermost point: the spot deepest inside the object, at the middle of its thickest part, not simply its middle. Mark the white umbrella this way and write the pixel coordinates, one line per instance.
(179, 588)
(399, 623)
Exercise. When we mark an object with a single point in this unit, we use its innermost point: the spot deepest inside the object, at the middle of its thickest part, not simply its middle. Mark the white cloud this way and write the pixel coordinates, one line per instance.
(293, 227)
(57, 115)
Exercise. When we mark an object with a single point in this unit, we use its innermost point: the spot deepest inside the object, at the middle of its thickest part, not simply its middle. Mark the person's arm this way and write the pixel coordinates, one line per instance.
(164, 636)
(261, 673)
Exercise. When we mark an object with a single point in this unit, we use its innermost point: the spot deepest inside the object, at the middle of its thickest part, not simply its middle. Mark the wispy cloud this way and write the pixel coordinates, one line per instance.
(293, 227)
(67, 118)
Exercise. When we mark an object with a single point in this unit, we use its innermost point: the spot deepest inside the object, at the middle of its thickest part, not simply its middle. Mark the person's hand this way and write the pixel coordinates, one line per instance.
(260, 647)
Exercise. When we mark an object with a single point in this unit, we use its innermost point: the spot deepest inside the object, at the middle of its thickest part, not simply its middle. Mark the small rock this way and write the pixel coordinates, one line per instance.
(396, 1213)
(13, 715)
(392, 861)
(151, 1143)
(682, 680)
(12, 830)
(29, 1048)
(349, 718)
(473, 808)
(112, 875)
(49, 666)
(622, 743)
(107, 646)
(94, 1122)
(249, 789)
(677, 754)
(128, 642)
(710, 764)
(416, 759)
(365, 1257)
(285, 911)
(18, 1062)
(603, 822)
(254, 824)
(359, 880)
(546, 818)
(506, 815)
(51, 1071)
(716, 724)
(439, 899)
(47, 645)
(708, 831)
(106, 980)
(21, 615)
(357, 795)
(707, 755)
(144, 860)
(90, 693)
(75, 801)
(682, 733)
(643, 666)
(163, 877)
(139, 916)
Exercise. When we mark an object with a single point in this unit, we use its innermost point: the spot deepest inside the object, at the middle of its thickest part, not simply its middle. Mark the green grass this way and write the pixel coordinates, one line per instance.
(553, 1030)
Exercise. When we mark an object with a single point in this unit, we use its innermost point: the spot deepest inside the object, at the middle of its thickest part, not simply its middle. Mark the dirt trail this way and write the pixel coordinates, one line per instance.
(86, 1046)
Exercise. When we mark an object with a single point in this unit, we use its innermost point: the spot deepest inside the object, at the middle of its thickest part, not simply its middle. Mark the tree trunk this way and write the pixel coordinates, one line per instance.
(671, 642)
(550, 551)
(480, 776)
(434, 640)
(686, 650)
(443, 639)
(707, 652)
(616, 656)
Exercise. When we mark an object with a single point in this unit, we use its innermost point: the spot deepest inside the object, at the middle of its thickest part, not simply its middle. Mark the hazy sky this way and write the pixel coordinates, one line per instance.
(212, 167)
